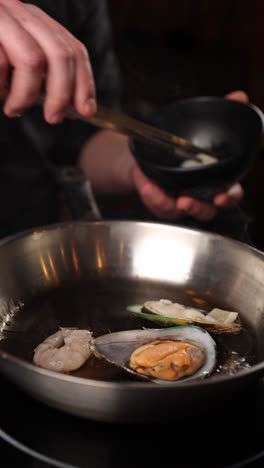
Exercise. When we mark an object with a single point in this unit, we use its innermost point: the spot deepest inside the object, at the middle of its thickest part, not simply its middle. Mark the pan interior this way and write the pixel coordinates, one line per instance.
(99, 304)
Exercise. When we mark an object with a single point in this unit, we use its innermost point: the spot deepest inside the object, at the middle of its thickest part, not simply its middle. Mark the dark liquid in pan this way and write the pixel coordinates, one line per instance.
(100, 306)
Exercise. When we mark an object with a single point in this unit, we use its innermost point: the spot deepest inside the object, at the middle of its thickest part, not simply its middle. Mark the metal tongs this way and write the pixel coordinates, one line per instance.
(122, 123)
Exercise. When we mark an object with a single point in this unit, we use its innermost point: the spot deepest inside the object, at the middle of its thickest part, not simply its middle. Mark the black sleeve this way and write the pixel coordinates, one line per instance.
(89, 22)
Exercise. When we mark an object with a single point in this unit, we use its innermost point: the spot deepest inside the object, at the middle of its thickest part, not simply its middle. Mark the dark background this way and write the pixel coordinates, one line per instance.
(169, 49)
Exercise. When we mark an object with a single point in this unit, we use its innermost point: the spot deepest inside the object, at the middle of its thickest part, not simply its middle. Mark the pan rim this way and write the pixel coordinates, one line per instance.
(158, 224)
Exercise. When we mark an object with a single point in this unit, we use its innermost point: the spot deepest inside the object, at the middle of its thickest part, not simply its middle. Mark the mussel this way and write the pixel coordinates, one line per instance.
(167, 313)
(160, 355)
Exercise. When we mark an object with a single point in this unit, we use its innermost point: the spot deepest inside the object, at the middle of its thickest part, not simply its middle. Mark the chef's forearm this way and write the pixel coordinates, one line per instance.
(106, 160)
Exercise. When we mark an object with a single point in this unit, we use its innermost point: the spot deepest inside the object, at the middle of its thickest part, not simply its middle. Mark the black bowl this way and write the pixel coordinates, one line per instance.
(229, 128)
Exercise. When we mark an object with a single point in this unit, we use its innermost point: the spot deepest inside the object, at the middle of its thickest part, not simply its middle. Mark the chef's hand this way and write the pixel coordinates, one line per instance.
(38, 52)
(168, 208)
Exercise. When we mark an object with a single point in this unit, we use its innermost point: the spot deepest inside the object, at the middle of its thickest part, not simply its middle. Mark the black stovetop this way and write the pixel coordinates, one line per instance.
(231, 438)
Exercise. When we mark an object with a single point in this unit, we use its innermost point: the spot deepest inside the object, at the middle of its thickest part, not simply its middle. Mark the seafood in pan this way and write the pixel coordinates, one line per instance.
(171, 313)
(160, 355)
(64, 351)
(186, 351)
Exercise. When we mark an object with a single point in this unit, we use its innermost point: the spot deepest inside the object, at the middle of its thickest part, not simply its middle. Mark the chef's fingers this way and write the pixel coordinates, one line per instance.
(240, 96)
(231, 198)
(27, 60)
(202, 211)
(83, 92)
(58, 57)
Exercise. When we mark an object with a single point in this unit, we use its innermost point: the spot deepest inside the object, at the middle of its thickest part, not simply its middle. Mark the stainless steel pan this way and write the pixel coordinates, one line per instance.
(85, 274)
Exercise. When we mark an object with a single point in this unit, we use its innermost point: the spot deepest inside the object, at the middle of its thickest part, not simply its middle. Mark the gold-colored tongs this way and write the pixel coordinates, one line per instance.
(121, 123)
(110, 119)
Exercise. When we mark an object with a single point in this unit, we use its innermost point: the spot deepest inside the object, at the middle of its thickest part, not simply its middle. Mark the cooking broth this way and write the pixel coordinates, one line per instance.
(100, 306)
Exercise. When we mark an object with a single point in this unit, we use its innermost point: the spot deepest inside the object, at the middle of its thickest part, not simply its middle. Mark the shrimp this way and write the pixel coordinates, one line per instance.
(64, 351)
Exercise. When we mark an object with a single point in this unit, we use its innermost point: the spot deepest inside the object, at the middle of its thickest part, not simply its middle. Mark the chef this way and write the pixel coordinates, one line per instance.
(64, 47)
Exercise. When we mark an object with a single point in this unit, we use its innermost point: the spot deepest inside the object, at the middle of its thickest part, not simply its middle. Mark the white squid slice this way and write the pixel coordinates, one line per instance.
(223, 316)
